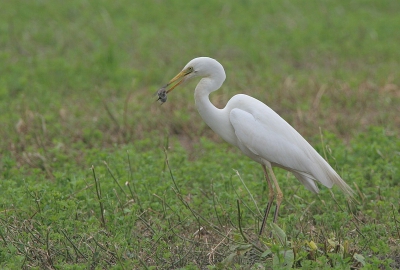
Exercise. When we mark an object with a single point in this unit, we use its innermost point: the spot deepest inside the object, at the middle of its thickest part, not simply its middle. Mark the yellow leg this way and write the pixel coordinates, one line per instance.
(270, 200)
(279, 194)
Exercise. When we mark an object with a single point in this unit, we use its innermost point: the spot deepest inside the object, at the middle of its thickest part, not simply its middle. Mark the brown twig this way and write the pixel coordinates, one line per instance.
(133, 192)
(111, 115)
(48, 249)
(240, 222)
(73, 245)
(395, 221)
(113, 177)
(98, 192)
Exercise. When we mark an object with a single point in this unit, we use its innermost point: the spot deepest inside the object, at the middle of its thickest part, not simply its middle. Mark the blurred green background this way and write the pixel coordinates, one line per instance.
(88, 70)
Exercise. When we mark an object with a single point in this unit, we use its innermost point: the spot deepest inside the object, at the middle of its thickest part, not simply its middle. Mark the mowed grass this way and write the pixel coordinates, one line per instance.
(84, 178)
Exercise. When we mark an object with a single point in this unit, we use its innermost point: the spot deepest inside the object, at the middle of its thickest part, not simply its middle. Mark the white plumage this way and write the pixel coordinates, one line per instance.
(258, 132)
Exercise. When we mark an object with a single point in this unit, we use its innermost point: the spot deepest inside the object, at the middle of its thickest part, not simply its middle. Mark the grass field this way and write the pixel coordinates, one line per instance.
(96, 174)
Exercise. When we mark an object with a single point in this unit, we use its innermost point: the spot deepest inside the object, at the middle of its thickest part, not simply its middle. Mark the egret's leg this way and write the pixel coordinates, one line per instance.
(270, 199)
(279, 194)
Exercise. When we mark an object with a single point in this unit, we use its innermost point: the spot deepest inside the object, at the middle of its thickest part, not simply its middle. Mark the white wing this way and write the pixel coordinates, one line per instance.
(264, 136)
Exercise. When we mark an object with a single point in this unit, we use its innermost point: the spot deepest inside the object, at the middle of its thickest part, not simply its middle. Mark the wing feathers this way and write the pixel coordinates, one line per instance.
(264, 135)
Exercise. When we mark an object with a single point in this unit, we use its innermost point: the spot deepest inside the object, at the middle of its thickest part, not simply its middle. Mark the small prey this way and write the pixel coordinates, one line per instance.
(162, 94)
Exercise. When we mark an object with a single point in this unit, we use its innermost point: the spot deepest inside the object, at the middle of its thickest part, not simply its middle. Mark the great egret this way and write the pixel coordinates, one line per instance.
(257, 131)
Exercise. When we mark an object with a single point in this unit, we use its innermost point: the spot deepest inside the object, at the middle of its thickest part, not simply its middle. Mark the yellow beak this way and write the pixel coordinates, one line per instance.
(180, 76)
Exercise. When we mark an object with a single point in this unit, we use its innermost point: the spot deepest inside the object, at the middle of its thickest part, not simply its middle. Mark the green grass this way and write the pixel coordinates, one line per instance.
(153, 220)
(77, 89)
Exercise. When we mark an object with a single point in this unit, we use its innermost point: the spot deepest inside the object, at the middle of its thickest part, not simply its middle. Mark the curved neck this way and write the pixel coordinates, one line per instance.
(206, 109)
(216, 119)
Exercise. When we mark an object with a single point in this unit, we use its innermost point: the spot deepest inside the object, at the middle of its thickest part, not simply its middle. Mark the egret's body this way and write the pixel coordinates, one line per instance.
(258, 132)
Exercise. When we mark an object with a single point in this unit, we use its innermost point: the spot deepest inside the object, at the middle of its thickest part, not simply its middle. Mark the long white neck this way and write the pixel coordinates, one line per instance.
(216, 119)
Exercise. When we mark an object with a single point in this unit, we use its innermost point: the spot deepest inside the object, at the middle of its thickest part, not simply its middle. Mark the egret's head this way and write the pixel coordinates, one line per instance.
(198, 67)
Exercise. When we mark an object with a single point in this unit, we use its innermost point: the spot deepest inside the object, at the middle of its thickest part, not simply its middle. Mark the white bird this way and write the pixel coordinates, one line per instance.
(257, 131)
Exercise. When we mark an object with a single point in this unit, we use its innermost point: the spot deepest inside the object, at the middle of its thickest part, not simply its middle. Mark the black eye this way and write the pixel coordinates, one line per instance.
(190, 69)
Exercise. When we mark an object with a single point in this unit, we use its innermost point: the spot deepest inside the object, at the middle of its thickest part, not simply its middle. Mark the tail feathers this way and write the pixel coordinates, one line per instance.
(347, 190)
(330, 179)
(324, 173)
(307, 181)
